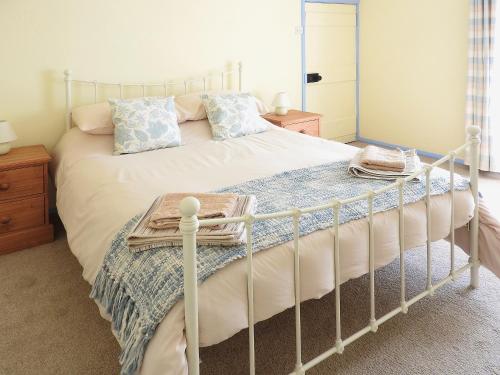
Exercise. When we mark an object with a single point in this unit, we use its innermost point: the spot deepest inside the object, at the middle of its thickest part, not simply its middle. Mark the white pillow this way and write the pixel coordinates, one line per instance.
(233, 115)
(190, 107)
(93, 118)
(144, 124)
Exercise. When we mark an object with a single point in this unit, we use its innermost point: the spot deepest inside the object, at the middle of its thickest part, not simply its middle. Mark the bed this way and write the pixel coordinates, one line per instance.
(97, 193)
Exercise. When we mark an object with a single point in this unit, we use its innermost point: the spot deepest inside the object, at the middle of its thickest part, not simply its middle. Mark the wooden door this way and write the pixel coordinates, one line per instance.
(330, 50)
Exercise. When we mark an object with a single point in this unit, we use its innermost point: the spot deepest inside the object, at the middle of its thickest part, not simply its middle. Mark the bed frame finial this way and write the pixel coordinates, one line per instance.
(189, 206)
(474, 132)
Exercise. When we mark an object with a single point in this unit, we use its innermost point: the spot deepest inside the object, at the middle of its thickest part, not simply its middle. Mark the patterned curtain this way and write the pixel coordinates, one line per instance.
(480, 79)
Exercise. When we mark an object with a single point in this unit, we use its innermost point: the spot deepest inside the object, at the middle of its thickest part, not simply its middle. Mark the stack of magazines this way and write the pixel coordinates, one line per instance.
(381, 164)
(159, 226)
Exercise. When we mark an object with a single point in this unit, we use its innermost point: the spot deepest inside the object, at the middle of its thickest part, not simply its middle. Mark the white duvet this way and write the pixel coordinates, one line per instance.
(97, 193)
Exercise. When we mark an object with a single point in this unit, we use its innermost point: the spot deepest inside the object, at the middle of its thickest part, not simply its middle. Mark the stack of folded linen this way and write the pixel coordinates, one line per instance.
(381, 159)
(167, 214)
(378, 163)
(159, 226)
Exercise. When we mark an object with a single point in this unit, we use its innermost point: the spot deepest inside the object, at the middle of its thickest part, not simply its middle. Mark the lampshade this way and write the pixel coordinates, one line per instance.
(281, 100)
(6, 132)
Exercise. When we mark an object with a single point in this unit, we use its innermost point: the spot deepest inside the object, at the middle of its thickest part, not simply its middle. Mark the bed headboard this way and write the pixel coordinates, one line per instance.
(166, 86)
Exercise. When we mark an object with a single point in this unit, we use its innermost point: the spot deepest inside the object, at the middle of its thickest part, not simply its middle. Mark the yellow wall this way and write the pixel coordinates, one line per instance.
(413, 72)
(413, 57)
(136, 40)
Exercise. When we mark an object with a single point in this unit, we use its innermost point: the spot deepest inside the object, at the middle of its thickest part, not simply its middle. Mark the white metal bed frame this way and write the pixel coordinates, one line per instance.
(189, 226)
(205, 82)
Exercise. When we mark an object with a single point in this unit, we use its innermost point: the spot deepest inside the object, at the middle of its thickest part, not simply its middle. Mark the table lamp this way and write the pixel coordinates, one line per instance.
(281, 103)
(7, 135)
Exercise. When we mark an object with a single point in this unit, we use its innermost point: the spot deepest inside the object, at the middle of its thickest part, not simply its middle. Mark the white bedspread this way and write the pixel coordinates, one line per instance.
(97, 193)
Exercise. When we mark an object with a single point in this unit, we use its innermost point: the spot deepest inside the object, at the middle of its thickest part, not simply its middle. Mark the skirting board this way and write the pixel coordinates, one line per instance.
(419, 152)
(346, 138)
(343, 139)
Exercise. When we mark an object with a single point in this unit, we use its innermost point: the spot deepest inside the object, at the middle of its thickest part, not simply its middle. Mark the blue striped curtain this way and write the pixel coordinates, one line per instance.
(480, 78)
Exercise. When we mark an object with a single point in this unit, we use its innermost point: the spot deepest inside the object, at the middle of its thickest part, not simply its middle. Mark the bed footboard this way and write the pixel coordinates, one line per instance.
(190, 223)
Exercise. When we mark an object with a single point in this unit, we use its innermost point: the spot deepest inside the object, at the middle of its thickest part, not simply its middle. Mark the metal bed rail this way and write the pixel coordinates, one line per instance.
(190, 224)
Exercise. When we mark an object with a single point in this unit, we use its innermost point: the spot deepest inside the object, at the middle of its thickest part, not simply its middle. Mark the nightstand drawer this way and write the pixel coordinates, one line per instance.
(307, 127)
(26, 213)
(21, 182)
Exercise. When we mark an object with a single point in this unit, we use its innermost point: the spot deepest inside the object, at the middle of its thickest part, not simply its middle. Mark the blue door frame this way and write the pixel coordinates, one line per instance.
(303, 48)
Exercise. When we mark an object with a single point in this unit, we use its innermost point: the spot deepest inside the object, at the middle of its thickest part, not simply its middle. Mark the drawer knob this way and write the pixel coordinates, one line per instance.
(303, 131)
(4, 186)
(5, 220)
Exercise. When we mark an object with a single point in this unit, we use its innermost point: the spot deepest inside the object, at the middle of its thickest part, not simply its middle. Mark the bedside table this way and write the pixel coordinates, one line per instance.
(24, 202)
(302, 122)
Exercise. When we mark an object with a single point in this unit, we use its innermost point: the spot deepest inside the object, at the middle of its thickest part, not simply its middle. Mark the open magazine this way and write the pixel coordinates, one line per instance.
(413, 163)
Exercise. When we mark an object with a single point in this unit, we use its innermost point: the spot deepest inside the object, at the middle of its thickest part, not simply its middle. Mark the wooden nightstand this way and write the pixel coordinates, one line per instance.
(24, 202)
(302, 122)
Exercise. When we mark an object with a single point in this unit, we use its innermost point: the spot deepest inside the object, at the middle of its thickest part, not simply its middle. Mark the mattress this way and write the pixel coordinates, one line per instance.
(97, 193)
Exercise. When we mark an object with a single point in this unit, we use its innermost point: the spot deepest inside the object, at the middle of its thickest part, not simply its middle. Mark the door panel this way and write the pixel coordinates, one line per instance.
(330, 39)
(337, 104)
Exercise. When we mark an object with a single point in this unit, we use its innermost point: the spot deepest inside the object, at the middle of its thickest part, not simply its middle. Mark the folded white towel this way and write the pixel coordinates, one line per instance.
(413, 163)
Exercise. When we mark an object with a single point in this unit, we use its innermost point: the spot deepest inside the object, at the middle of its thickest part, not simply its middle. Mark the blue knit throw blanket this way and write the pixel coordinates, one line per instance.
(139, 289)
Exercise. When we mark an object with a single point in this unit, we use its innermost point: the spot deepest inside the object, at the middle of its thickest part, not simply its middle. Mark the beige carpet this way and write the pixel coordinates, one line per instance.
(48, 325)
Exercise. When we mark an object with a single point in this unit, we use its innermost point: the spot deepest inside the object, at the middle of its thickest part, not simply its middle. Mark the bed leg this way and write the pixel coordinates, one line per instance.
(474, 134)
(189, 207)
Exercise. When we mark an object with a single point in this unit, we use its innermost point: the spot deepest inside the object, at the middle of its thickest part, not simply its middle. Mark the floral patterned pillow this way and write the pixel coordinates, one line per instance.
(233, 115)
(144, 124)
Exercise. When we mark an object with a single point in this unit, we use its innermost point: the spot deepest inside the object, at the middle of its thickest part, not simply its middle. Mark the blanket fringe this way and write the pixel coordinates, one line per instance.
(125, 320)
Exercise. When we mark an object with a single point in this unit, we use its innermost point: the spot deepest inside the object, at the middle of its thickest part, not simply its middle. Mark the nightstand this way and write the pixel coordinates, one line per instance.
(302, 122)
(24, 202)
